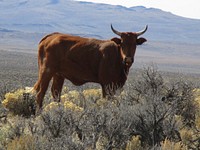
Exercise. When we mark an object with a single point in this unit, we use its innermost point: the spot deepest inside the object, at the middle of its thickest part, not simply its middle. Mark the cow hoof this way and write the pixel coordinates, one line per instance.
(38, 111)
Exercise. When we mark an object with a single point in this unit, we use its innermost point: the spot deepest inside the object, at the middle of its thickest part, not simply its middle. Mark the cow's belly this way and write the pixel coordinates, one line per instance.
(79, 75)
(80, 80)
(76, 81)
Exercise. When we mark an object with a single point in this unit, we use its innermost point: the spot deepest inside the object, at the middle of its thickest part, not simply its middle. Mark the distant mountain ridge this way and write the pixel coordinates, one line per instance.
(90, 19)
(173, 42)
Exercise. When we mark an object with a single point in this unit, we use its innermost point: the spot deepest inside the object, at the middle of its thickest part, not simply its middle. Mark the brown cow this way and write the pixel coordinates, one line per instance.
(82, 60)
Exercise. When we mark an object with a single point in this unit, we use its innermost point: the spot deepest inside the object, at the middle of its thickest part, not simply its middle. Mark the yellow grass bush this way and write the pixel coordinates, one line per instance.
(79, 98)
(92, 94)
(197, 123)
(197, 100)
(101, 142)
(169, 145)
(134, 144)
(73, 96)
(186, 135)
(4, 131)
(189, 137)
(72, 106)
(12, 98)
(19, 102)
(66, 105)
(196, 93)
(52, 106)
(25, 142)
(102, 102)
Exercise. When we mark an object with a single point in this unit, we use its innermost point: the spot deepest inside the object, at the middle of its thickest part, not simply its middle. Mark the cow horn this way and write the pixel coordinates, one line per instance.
(143, 31)
(115, 31)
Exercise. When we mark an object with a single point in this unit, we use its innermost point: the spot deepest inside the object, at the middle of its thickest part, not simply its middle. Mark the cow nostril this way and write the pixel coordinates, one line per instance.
(128, 61)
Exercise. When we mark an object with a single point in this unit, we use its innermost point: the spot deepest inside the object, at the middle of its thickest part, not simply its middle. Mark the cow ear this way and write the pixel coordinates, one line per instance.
(116, 40)
(140, 41)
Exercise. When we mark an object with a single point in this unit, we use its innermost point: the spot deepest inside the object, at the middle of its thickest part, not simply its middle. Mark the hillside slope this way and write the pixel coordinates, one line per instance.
(90, 19)
(173, 41)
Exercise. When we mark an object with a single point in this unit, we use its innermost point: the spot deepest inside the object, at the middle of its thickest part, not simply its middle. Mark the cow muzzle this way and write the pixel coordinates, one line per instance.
(128, 61)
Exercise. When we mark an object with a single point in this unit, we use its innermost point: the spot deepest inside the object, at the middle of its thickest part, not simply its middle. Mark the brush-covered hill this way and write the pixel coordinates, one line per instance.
(173, 41)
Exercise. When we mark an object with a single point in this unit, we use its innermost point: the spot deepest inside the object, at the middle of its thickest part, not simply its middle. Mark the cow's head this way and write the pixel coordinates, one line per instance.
(128, 43)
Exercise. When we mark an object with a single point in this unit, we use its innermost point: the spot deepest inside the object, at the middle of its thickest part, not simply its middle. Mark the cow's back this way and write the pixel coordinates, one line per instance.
(76, 58)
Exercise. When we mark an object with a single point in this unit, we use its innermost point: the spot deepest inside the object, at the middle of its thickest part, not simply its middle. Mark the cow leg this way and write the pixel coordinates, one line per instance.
(56, 88)
(108, 91)
(41, 86)
(104, 93)
(37, 86)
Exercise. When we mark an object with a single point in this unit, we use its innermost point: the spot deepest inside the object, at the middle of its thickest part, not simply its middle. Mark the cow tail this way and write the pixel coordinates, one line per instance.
(40, 63)
(41, 56)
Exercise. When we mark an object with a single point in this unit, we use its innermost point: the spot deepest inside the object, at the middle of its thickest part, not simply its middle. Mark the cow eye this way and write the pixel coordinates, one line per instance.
(123, 44)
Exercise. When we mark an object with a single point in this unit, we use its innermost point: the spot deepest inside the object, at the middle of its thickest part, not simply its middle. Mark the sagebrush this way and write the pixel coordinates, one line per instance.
(151, 113)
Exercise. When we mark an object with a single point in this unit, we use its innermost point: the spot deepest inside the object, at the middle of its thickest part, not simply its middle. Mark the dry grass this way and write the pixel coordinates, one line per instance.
(84, 120)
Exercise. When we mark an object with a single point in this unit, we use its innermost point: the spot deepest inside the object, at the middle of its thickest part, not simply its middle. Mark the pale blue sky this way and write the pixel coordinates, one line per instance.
(185, 8)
